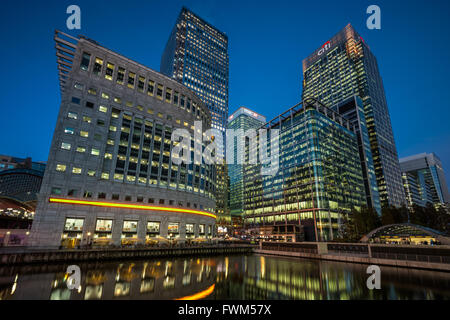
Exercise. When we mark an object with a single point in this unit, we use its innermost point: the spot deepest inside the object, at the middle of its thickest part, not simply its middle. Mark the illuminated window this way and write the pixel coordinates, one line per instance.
(108, 156)
(61, 167)
(69, 130)
(109, 71)
(76, 170)
(105, 95)
(142, 180)
(189, 228)
(173, 228)
(74, 224)
(105, 175)
(112, 128)
(92, 91)
(104, 225)
(97, 66)
(120, 75)
(102, 109)
(141, 83)
(153, 227)
(81, 149)
(159, 91)
(168, 95)
(87, 119)
(117, 100)
(131, 79)
(95, 152)
(130, 226)
(84, 134)
(65, 146)
(91, 173)
(72, 115)
(151, 87)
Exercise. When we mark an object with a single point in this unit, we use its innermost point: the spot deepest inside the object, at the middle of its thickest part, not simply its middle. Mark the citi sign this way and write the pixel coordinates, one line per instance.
(324, 48)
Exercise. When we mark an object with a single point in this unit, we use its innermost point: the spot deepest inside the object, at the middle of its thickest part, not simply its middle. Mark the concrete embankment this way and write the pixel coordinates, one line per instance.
(417, 257)
(29, 256)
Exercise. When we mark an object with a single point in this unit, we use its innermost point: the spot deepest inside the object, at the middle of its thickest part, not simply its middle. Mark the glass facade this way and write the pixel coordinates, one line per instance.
(196, 55)
(342, 67)
(353, 109)
(319, 177)
(424, 180)
(243, 119)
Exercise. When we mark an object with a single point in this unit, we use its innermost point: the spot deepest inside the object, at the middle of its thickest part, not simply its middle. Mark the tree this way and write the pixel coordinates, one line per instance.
(431, 217)
(393, 215)
(359, 223)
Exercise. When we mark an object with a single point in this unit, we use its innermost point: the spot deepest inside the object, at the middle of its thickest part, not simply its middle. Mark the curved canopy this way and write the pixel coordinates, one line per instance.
(402, 230)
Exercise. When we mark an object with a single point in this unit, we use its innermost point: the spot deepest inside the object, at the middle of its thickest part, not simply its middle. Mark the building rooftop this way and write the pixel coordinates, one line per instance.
(247, 111)
(419, 156)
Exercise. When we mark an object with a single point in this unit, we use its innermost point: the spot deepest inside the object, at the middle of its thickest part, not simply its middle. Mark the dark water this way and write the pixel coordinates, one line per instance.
(231, 277)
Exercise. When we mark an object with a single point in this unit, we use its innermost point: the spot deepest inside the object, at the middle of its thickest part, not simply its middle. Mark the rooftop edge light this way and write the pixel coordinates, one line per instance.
(130, 206)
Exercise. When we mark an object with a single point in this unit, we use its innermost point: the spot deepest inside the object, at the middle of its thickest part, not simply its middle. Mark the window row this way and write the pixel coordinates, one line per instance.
(132, 80)
(74, 227)
(115, 196)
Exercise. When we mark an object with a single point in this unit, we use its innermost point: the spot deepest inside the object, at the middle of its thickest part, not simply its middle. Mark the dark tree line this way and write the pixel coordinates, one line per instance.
(358, 223)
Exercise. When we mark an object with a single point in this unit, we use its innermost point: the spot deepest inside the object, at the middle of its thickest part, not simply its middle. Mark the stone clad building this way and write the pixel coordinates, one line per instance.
(110, 174)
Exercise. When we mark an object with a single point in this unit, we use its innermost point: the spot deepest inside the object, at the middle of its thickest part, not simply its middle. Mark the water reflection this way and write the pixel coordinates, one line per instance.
(231, 277)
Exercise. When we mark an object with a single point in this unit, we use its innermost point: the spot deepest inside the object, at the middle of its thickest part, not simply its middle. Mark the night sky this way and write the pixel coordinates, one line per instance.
(267, 42)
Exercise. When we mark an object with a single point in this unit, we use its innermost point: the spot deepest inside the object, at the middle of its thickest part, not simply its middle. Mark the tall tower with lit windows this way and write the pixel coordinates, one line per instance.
(196, 55)
(342, 67)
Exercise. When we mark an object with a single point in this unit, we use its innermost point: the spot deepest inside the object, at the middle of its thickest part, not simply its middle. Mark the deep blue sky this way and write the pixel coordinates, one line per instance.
(267, 42)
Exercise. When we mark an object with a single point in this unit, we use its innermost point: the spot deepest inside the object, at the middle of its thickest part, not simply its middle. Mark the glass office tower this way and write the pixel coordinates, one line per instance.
(424, 180)
(244, 119)
(353, 109)
(319, 179)
(196, 55)
(342, 67)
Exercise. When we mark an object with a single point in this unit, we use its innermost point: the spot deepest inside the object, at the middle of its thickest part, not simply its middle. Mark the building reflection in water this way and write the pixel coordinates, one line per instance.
(268, 277)
(234, 277)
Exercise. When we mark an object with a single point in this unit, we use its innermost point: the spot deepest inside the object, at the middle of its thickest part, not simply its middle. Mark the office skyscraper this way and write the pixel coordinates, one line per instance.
(318, 182)
(353, 109)
(243, 119)
(342, 67)
(424, 180)
(196, 55)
